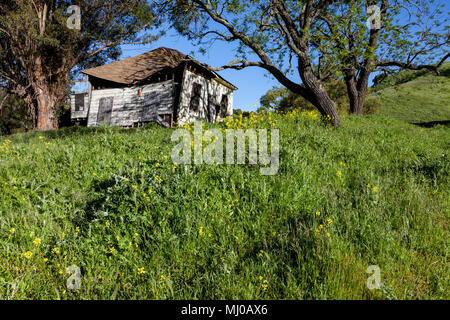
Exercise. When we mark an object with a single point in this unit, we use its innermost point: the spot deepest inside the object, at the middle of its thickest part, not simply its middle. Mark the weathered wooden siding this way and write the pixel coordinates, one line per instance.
(210, 89)
(79, 114)
(128, 105)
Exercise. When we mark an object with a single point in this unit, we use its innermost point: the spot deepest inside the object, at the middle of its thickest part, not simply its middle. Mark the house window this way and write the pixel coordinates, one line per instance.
(195, 96)
(79, 102)
(224, 106)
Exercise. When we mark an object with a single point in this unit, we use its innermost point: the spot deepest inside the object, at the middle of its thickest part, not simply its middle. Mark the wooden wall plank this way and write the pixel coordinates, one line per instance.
(128, 105)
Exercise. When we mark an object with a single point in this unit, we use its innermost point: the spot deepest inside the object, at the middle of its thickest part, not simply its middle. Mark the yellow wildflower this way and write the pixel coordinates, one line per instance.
(141, 270)
(37, 241)
(12, 230)
(317, 213)
(27, 254)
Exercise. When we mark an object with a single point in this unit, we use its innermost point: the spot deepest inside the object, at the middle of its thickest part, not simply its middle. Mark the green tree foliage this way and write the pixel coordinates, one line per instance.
(41, 52)
(398, 35)
(319, 40)
(13, 114)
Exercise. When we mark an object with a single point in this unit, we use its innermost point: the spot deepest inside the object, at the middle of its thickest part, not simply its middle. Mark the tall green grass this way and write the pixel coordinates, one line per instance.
(373, 192)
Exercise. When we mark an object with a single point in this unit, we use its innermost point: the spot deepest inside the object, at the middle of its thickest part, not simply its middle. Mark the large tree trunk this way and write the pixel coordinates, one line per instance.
(317, 94)
(45, 99)
(357, 92)
(353, 95)
(46, 119)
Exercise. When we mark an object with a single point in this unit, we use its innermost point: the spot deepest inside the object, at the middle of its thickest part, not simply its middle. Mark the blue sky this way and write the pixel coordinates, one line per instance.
(252, 82)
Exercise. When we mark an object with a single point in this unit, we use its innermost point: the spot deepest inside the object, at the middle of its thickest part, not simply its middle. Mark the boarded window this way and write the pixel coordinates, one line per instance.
(150, 109)
(79, 102)
(195, 96)
(154, 103)
(104, 110)
(224, 106)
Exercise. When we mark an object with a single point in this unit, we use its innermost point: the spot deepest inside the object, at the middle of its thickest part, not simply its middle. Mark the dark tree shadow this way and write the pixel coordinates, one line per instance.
(432, 123)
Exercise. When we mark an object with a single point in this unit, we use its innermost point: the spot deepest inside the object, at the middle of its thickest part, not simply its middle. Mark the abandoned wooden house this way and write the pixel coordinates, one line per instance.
(163, 86)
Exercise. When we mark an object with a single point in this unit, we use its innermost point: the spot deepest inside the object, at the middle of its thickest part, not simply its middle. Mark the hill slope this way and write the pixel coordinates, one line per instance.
(416, 96)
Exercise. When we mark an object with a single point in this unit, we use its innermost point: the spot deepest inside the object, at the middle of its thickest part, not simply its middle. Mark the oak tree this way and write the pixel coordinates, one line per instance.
(316, 39)
(45, 43)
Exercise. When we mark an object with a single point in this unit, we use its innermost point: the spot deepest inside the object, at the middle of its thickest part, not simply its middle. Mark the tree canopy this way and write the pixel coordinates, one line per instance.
(41, 51)
(303, 43)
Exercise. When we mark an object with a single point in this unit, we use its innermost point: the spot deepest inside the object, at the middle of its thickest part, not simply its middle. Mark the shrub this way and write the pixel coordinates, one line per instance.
(372, 105)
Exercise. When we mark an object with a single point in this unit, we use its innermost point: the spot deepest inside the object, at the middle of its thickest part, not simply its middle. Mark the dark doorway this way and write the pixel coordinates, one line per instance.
(212, 108)
(224, 106)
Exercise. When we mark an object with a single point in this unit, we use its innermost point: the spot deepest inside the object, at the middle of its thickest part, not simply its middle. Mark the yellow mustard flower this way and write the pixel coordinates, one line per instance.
(27, 254)
(141, 270)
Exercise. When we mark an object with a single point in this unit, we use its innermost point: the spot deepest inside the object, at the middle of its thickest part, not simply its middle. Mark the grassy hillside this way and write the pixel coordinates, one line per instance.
(416, 96)
(374, 192)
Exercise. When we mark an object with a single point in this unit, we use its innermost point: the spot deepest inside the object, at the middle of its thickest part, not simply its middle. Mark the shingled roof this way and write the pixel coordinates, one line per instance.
(135, 69)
